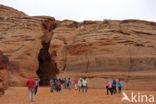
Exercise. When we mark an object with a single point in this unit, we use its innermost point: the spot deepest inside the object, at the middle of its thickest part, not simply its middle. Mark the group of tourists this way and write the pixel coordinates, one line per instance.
(60, 84)
(111, 86)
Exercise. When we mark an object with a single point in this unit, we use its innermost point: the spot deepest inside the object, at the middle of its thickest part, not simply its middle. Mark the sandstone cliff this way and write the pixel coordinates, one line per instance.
(21, 38)
(102, 50)
(98, 50)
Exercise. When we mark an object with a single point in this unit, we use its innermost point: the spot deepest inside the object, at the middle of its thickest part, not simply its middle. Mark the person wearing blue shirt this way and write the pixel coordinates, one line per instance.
(114, 86)
(69, 83)
(55, 83)
(119, 86)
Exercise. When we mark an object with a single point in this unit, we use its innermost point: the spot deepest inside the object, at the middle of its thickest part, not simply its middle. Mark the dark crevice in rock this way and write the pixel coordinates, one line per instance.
(47, 68)
(3, 61)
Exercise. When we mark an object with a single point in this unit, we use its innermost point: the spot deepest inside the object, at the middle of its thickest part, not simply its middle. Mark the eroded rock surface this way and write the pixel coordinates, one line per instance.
(98, 50)
(21, 39)
(102, 50)
(4, 61)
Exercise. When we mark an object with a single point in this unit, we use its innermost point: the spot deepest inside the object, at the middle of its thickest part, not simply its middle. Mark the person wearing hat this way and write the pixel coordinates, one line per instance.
(30, 83)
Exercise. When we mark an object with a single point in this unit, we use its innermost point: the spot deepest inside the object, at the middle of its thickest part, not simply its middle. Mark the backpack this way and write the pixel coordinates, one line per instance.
(59, 84)
(114, 83)
(69, 82)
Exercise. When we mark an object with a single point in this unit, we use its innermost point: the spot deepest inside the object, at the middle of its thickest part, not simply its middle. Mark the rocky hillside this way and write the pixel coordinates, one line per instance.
(98, 50)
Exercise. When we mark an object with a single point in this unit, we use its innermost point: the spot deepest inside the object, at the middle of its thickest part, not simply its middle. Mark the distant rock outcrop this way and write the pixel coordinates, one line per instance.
(98, 50)
(8, 12)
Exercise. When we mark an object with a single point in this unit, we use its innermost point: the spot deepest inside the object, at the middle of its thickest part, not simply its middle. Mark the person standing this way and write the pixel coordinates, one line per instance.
(65, 83)
(69, 83)
(84, 85)
(52, 85)
(119, 85)
(109, 87)
(62, 82)
(80, 85)
(36, 85)
(75, 83)
(30, 84)
(59, 85)
(55, 84)
(114, 86)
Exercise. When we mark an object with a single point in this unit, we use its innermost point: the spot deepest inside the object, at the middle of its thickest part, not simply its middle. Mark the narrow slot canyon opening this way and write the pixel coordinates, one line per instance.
(47, 68)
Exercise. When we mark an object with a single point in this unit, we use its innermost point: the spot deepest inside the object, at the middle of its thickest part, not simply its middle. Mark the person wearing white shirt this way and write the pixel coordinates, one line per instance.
(79, 84)
(84, 84)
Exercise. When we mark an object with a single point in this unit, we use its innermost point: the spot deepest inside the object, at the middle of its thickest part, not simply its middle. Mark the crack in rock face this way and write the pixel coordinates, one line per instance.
(4, 61)
(47, 68)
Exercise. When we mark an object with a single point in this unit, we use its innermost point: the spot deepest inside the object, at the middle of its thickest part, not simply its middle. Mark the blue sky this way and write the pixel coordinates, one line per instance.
(80, 10)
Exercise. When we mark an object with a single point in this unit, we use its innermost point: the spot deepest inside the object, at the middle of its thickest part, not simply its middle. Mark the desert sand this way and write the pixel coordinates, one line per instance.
(19, 95)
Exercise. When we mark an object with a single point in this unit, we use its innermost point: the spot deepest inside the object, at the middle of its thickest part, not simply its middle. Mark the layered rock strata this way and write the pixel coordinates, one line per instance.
(98, 50)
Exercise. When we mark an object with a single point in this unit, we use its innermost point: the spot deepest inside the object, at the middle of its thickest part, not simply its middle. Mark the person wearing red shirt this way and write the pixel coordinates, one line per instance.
(30, 85)
(76, 82)
(58, 85)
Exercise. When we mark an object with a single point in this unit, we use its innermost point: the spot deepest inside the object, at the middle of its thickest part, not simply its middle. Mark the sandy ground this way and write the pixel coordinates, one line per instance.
(19, 95)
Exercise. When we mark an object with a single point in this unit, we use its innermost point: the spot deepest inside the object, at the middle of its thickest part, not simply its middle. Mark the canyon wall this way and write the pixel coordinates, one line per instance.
(45, 48)
(21, 39)
(102, 50)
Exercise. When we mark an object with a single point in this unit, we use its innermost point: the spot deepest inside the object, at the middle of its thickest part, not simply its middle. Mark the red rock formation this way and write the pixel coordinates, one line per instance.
(3, 73)
(98, 50)
(21, 39)
(103, 50)
(8, 12)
